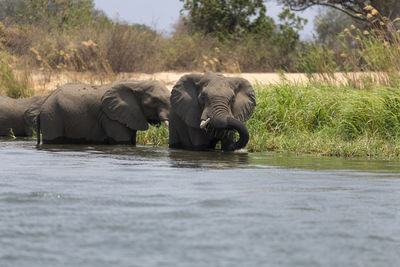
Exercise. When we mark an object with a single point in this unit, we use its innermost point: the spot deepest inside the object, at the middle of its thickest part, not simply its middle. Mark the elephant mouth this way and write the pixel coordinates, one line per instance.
(154, 122)
(157, 123)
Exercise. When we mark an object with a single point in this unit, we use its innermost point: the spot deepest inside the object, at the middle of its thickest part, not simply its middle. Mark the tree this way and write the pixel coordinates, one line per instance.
(354, 8)
(228, 18)
(330, 23)
(63, 14)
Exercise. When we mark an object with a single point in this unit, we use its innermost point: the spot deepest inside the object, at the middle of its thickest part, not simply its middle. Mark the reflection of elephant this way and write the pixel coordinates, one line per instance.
(107, 114)
(206, 108)
(12, 114)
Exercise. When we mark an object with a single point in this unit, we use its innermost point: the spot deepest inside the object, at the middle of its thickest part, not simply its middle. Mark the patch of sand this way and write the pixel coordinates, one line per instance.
(47, 82)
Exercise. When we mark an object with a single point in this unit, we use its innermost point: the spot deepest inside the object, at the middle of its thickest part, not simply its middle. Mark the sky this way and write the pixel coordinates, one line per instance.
(162, 14)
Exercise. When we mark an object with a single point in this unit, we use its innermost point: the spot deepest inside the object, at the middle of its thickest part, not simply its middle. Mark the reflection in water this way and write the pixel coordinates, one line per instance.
(176, 158)
(205, 159)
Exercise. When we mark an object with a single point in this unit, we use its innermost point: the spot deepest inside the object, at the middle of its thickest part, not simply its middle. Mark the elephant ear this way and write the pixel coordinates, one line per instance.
(245, 100)
(120, 103)
(184, 99)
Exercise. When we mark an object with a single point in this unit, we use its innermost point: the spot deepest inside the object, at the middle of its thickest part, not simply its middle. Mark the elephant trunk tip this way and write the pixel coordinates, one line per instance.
(243, 134)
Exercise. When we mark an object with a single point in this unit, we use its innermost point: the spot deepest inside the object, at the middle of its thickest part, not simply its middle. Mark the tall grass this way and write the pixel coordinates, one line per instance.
(326, 120)
(366, 58)
(15, 85)
(156, 136)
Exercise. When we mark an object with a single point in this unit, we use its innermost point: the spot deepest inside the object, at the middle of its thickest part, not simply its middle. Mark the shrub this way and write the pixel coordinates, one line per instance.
(15, 86)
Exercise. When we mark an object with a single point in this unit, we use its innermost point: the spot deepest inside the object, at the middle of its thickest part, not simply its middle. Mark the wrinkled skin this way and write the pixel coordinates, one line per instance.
(12, 115)
(110, 114)
(209, 108)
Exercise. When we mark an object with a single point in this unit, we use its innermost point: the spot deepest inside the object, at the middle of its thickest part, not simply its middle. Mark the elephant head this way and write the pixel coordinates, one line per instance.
(215, 101)
(137, 103)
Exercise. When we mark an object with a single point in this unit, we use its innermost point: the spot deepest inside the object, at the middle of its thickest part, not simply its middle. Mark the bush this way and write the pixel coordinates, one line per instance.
(15, 86)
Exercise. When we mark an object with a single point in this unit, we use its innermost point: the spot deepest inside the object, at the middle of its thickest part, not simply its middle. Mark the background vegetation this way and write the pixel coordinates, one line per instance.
(212, 35)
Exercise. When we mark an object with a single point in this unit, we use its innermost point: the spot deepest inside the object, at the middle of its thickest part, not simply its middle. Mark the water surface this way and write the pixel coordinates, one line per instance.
(145, 206)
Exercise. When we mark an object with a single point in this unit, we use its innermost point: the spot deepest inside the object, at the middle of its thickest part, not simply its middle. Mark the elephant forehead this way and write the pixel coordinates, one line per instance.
(218, 89)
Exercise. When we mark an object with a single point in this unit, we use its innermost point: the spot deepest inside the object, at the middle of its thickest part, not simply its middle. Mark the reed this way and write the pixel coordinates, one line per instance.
(326, 120)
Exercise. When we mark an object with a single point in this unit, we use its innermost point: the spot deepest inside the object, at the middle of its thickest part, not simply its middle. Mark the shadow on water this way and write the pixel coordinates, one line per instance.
(206, 159)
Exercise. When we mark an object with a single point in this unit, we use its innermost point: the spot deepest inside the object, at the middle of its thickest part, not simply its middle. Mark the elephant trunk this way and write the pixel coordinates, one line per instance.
(229, 123)
(239, 126)
(222, 119)
(163, 114)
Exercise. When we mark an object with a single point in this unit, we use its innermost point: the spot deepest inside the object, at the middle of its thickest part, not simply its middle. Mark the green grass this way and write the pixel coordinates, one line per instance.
(326, 120)
(156, 136)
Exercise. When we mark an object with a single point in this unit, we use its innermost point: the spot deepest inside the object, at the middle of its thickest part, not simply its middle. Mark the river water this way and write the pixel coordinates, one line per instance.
(145, 206)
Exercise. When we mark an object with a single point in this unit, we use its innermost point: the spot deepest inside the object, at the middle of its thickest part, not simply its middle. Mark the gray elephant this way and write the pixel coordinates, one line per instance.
(109, 114)
(209, 108)
(12, 115)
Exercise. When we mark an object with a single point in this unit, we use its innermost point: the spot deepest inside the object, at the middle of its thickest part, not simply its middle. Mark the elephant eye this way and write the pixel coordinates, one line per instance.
(202, 98)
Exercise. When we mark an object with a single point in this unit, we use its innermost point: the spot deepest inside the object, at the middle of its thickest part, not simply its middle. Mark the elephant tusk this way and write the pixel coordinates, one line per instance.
(166, 123)
(203, 123)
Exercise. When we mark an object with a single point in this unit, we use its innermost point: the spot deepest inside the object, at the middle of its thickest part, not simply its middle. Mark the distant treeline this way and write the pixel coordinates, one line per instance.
(73, 35)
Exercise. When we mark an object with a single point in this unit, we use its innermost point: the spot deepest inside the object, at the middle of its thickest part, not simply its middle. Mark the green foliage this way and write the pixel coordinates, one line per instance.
(326, 120)
(354, 8)
(330, 23)
(11, 133)
(316, 59)
(228, 18)
(59, 14)
(370, 53)
(155, 135)
(287, 36)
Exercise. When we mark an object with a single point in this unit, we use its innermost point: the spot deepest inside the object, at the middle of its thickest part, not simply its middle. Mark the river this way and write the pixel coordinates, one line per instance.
(146, 206)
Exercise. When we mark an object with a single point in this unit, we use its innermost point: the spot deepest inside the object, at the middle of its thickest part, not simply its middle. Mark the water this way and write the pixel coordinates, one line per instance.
(144, 206)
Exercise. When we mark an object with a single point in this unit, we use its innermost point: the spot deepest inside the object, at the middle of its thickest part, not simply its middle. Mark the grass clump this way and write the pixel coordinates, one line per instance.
(326, 120)
(13, 85)
(155, 135)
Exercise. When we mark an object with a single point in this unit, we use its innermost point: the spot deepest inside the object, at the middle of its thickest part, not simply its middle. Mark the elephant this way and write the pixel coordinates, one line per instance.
(79, 113)
(12, 115)
(208, 108)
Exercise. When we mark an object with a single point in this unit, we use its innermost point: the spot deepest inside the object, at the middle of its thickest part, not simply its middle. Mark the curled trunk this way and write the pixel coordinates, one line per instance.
(239, 126)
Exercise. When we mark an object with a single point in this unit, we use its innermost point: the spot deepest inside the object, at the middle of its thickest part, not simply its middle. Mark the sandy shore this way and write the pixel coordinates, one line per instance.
(47, 82)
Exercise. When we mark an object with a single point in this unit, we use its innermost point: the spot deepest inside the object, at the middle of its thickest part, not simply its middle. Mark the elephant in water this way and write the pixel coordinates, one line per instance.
(209, 108)
(79, 113)
(12, 115)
